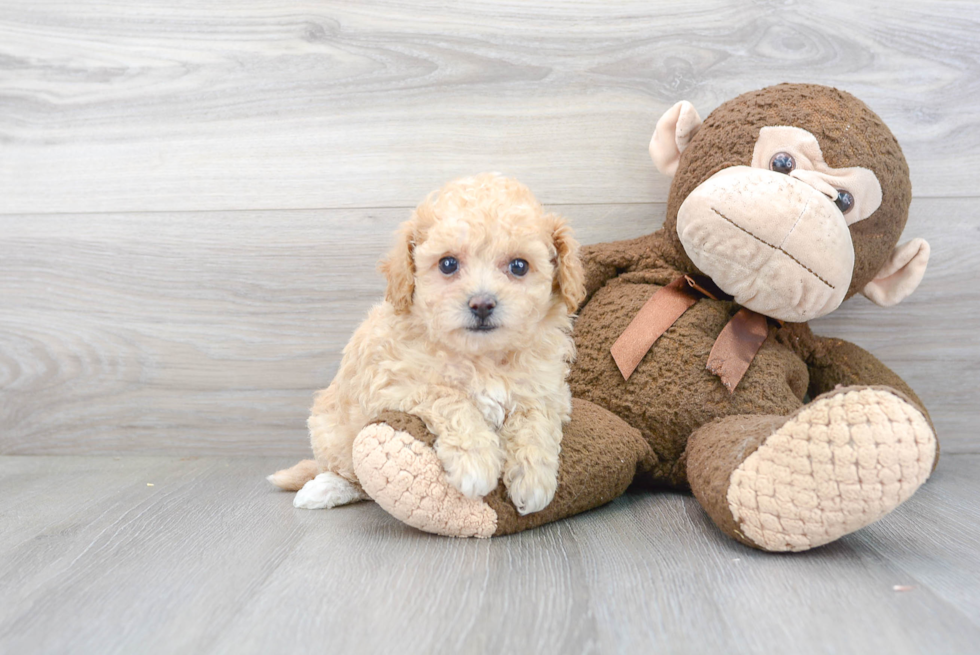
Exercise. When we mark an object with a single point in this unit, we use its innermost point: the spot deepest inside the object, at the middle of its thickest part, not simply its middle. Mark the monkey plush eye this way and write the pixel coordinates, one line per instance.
(782, 162)
(448, 265)
(844, 201)
(518, 268)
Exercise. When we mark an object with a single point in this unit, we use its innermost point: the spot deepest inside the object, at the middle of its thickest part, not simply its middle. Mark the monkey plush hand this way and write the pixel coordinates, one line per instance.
(696, 367)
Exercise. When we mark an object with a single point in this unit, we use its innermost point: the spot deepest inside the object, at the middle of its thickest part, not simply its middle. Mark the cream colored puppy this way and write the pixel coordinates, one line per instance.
(473, 337)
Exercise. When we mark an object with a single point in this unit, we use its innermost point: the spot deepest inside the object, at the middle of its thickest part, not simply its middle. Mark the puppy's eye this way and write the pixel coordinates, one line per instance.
(782, 162)
(519, 268)
(844, 201)
(448, 265)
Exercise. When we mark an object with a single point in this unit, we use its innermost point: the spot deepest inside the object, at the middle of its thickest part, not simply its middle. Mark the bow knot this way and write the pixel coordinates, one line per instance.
(733, 350)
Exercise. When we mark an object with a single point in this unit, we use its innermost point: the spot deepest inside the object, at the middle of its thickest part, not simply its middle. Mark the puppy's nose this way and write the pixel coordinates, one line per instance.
(482, 306)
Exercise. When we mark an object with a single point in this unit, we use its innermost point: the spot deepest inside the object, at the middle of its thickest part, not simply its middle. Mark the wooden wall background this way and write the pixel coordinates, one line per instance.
(193, 195)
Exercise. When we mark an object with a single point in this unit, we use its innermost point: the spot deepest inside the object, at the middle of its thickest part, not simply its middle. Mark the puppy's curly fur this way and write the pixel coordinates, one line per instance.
(469, 339)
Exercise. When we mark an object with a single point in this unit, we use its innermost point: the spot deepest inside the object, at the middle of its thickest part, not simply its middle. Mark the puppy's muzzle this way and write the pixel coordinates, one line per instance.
(481, 307)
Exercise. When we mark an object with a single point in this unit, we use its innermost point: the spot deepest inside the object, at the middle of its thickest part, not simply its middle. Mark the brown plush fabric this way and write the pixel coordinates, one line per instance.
(672, 393)
(600, 455)
(604, 261)
(403, 422)
(714, 451)
(836, 362)
(850, 134)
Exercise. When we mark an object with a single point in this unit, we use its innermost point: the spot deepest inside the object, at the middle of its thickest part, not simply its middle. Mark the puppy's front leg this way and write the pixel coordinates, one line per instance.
(469, 450)
(532, 441)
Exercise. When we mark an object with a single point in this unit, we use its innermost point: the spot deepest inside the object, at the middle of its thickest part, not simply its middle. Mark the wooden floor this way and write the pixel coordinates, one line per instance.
(211, 559)
(193, 197)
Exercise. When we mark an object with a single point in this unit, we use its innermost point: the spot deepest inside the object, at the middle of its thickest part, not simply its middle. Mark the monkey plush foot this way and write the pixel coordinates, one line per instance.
(396, 464)
(793, 483)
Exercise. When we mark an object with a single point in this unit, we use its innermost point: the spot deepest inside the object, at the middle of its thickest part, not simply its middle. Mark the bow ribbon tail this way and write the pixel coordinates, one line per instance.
(654, 318)
(736, 346)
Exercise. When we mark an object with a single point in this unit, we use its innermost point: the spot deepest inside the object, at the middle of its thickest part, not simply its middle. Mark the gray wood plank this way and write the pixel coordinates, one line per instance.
(190, 333)
(207, 333)
(256, 104)
(212, 560)
(940, 559)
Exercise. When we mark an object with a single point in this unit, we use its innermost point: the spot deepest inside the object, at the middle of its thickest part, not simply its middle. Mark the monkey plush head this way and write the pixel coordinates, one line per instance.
(791, 198)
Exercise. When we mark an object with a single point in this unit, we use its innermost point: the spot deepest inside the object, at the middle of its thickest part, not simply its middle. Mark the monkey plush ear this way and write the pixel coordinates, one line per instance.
(900, 275)
(674, 131)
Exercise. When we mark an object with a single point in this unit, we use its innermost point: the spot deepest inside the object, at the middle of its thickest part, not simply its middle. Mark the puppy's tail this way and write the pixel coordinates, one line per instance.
(293, 478)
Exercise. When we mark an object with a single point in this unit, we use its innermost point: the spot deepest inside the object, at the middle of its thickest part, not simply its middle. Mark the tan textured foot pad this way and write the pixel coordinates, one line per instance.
(406, 478)
(841, 463)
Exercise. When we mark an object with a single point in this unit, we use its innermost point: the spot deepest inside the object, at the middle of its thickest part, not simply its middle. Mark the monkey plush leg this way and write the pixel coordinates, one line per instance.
(835, 362)
(398, 468)
(797, 482)
(838, 363)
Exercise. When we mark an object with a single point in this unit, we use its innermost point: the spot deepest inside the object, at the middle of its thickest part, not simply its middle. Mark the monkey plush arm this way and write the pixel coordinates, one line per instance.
(604, 261)
(837, 362)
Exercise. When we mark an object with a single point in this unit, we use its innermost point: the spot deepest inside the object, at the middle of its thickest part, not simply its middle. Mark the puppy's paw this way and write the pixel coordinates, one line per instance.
(473, 470)
(325, 491)
(531, 485)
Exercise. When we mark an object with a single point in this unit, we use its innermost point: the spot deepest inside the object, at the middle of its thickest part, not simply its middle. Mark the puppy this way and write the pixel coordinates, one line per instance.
(473, 337)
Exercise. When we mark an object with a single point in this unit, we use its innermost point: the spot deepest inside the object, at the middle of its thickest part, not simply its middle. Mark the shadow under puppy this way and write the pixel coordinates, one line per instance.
(473, 337)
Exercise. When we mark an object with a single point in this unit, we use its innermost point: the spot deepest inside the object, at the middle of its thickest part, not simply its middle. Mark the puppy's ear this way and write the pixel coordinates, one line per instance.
(569, 282)
(399, 268)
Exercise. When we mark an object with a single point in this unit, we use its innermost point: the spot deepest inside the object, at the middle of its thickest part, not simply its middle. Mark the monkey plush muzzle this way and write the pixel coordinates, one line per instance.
(777, 244)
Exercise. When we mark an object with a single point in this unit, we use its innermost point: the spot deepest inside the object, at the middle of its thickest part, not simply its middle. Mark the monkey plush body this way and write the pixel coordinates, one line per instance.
(785, 202)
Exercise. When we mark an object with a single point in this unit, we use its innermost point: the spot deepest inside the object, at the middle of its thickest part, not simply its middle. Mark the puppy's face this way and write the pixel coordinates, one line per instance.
(488, 268)
(482, 282)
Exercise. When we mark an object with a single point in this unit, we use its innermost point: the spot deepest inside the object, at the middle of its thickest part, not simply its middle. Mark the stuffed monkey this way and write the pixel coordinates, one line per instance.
(696, 367)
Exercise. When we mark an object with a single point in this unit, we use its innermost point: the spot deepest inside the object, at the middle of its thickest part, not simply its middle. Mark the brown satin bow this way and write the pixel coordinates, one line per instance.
(733, 350)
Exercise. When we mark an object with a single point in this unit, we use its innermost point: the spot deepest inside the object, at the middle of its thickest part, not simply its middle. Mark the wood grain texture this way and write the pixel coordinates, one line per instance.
(259, 104)
(197, 333)
(207, 333)
(192, 199)
(210, 559)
